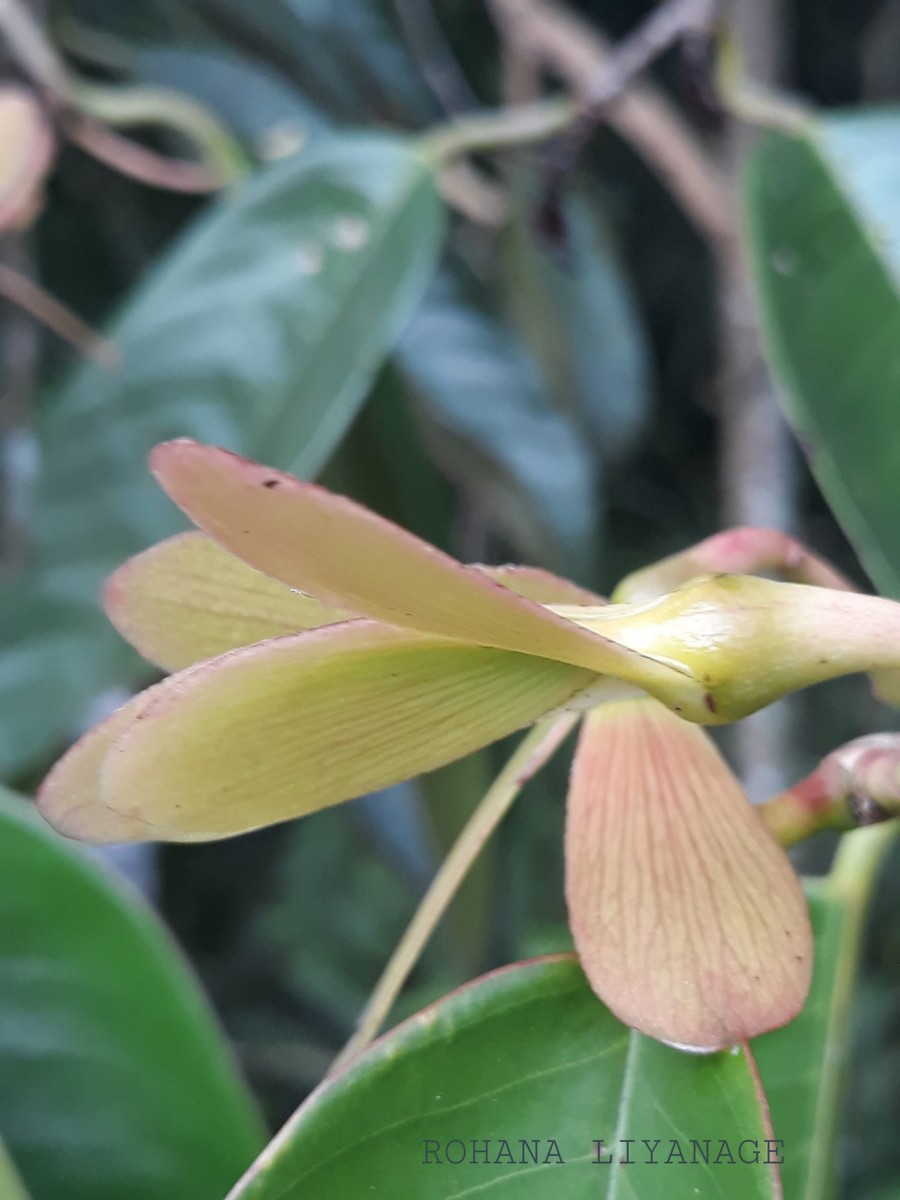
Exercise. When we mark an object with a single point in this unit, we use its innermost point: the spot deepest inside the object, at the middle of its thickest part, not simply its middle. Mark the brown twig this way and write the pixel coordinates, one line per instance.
(33, 52)
(571, 48)
(756, 459)
(37, 57)
(857, 785)
(33, 299)
(478, 198)
(667, 24)
(138, 162)
(535, 748)
(521, 59)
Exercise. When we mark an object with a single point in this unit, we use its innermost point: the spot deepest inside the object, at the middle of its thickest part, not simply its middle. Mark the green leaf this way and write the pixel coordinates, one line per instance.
(261, 330)
(823, 217)
(11, 1186)
(677, 1097)
(495, 430)
(802, 1066)
(348, 57)
(114, 1080)
(526, 1054)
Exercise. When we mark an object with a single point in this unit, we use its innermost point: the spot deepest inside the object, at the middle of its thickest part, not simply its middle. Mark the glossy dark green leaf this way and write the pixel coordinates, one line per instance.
(803, 1065)
(823, 214)
(11, 1186)
(524, 1064)
(494, 428)
(349, 57)
(114, 1080)
(261, 330)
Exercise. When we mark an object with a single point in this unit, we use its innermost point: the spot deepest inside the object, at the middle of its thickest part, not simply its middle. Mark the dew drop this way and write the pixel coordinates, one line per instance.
(350, 232)
(281, 140)
(309, 258)
(784, 262)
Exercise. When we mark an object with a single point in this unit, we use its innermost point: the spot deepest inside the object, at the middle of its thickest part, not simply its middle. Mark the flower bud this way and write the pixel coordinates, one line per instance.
(739, 643)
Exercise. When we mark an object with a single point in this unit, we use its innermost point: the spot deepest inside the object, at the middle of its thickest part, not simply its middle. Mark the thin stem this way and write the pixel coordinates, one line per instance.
(855, 786)
(22, 291)
(749, 94)
(531, 754)
(765, 1112)
(122, 107)
(31, 49)
(851, 880)
(560, 40)
(639, 115)
(138, 162)
(87, 105)
(520, 63)
(518, 126)
(757, 471)
(858, 861)
(474, 194)
(666, 25)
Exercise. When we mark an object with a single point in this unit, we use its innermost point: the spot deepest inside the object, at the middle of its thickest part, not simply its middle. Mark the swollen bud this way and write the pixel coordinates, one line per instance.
(738, 643)
(741, 551)
(857, 784)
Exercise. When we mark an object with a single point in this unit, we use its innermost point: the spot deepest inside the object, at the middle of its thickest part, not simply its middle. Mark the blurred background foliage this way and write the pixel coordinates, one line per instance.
(562, 404)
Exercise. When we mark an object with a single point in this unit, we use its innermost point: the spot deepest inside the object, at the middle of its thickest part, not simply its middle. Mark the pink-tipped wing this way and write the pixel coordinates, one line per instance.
(294, 724)
(187, 599)
(348, 557)
(69, 798)
(689, 920)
